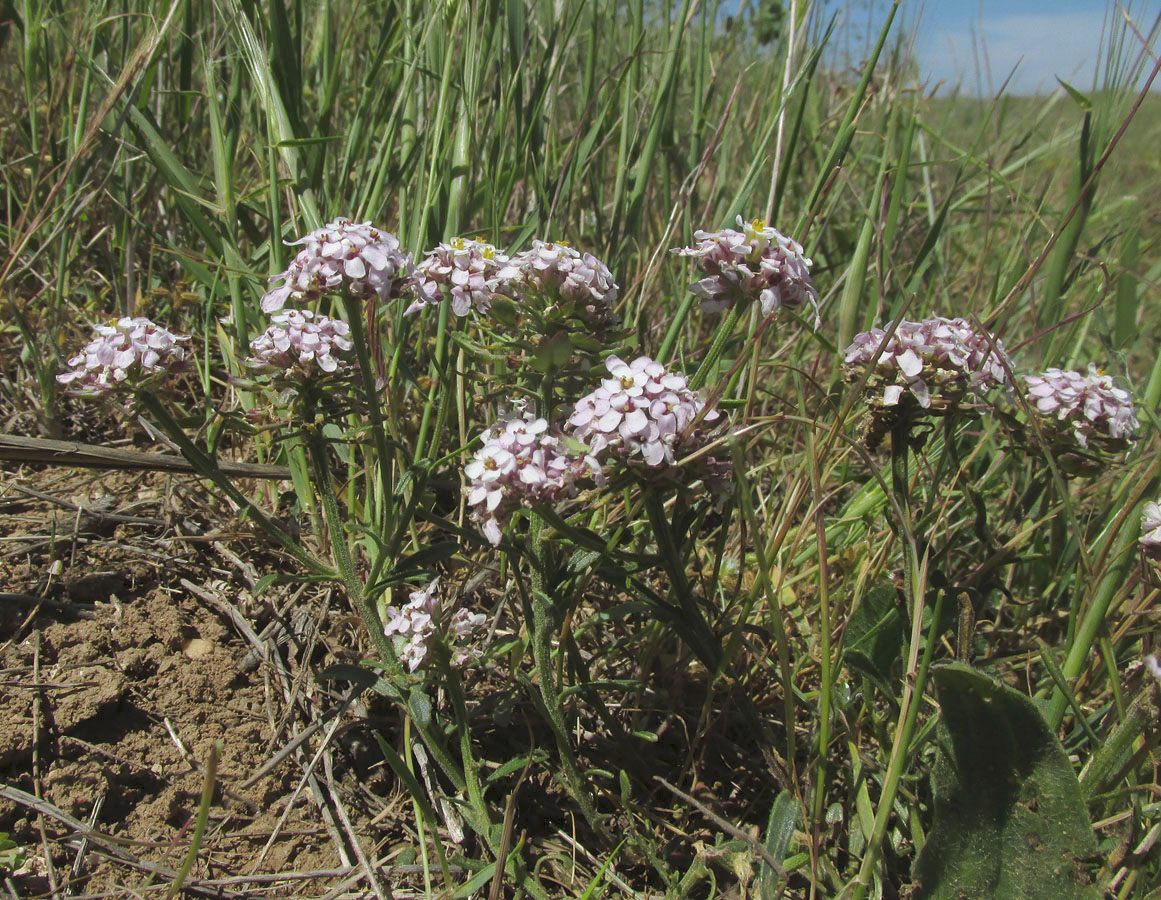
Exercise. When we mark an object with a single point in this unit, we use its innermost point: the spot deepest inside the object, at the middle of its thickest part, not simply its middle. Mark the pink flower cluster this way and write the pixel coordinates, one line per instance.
(1094, 407)
(1150, 541)
(757, 263)
(466, 271)
(522, 463)
(366, 261)
(299, 345)
(417, 626)
(555, 270)
(937, 360)
(127, 355)
(641, 411)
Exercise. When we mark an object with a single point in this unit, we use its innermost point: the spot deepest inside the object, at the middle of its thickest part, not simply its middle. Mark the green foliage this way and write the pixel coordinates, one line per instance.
(1010, 818)
(779, 832)
(160, 171)
(12, 855)
(874, 636)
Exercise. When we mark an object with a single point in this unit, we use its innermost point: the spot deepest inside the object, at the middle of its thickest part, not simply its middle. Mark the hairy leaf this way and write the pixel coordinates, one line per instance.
(1010, 820)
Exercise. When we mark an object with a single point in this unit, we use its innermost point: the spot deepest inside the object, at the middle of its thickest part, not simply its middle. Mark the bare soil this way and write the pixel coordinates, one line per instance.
(123, 662)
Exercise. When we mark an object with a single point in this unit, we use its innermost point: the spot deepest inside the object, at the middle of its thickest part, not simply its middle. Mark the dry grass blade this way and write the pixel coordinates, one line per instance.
(17, 448)
(107, 844)
(141, 58)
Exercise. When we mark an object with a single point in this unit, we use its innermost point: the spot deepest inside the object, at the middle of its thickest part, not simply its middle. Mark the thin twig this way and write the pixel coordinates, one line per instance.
(226, 608)
(345, 820)
(102, 842)
(726, 826)
(50, 870)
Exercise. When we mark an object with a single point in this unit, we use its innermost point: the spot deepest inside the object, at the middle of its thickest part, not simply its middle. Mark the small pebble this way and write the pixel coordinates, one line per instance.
(196, 648)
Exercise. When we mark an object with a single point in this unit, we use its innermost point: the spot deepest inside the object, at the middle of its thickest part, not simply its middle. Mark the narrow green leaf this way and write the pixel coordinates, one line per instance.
(779, 831)
(420, 707)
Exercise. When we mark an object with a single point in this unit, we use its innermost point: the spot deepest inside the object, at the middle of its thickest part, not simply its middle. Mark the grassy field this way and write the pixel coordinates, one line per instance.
(848, 647)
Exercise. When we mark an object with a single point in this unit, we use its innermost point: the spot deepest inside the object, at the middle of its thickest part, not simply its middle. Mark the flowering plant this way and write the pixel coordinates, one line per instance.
(646, 416)
(758, 263)
(298, 346)
(522, 463)
(566, 282)
(469, 273)
(125, 357)
(937, 362)
(366, 262)
(1089, 408)
(421, 622)
(1150, 540)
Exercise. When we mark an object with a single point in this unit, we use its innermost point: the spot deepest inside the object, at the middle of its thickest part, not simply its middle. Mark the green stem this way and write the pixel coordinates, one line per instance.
(697, 631)
(362, 601)
(207, 467)
(723, 334)
(340, 549)
(360, 338)
(441, 340)
(203, 817)
(1122, 543)
(773, 605)
(914, 579)
(543, 627)
(451, 680)
(675, 326)
(824, 626)
(1142, 714)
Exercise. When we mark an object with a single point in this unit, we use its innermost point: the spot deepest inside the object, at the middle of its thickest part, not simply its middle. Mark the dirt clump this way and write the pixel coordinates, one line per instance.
(118, 679)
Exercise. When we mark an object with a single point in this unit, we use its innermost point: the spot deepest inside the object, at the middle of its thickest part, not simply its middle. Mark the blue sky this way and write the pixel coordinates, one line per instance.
(1037, 39)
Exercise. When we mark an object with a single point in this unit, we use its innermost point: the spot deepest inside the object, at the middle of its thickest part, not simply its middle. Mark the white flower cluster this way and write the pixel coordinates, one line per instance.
(937, 360)
(366, 261)
(1094, 407)
(519, 464)
(641, 411)
(757, 263)
(418, 624)
(466, 271)
(127, 355)
(299, 345)
(1150, 541)
(557, 271)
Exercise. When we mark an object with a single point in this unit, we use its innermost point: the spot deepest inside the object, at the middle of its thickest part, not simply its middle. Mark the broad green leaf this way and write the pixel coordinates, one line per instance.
(1010, 820)
(552, 353)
